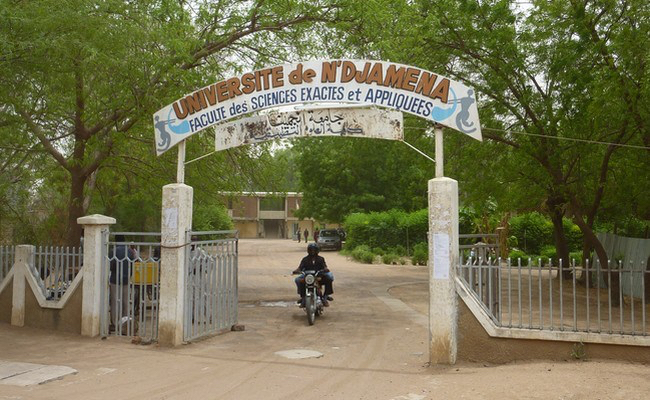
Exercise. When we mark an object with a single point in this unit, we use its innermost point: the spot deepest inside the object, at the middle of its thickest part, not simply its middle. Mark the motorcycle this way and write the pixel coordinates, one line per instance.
(313, 301)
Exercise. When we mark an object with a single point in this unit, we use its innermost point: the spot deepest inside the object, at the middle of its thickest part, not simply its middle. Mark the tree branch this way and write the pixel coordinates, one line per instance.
(36, 130)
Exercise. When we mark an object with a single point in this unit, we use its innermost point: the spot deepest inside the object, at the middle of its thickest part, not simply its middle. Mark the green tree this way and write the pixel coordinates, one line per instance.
(79, 80)
(339, 176)
(559, 70)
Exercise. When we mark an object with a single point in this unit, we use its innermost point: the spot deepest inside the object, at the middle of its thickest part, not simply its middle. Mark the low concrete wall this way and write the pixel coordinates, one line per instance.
(67, 319)
(474, 344)
(6, 298)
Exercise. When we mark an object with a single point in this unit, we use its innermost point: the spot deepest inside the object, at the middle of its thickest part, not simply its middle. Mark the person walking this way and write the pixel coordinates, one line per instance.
(306, 235)
(121, 262)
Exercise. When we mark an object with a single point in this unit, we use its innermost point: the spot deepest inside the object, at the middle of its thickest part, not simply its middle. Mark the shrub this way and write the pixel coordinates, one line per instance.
(420, 254)
(574, 255)
(363, 254)
(390, 258)
(548, 252)
(378, 251)
(573, 235)
(516, 254)
(387, 229)
(400, 250)
(532, 230)
(212, 217)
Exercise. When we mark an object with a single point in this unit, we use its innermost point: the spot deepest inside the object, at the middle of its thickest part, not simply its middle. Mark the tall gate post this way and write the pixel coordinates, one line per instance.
(443, 257)
(93, 226)
(176, 221)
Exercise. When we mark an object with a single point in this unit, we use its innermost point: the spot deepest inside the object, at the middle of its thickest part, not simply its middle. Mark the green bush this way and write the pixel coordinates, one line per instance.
(532, 230)
(547, 252)
(387, 229)
(574, 255)
(420, 254)
(400, 250)
(378, 251)
(212, 217)
(516, 254)
(573, 235)
(363, 254)
(390, 258)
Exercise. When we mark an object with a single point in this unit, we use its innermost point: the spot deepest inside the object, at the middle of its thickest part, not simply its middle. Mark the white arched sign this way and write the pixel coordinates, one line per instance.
(372, 83)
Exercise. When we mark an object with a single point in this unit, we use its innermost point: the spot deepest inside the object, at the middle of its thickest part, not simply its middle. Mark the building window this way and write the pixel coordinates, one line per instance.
(272, 204)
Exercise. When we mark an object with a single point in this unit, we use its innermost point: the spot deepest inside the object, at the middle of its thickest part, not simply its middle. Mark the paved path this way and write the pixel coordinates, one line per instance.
(25, 374)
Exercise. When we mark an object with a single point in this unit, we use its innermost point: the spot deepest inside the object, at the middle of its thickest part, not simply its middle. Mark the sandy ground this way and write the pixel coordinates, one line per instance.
(371, 349)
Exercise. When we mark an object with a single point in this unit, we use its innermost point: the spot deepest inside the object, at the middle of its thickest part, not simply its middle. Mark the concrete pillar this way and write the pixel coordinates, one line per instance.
(94, 227)
(24, 255)
(443, 257)
(176, 221)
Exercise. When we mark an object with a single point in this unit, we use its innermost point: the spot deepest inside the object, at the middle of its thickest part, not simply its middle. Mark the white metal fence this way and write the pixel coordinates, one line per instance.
(211, 290)
(538, 294)
(55, 267)
(131, 290)
(7, 254)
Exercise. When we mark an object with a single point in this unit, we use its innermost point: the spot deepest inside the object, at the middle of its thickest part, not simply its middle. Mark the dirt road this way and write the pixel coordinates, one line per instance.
(373, 347)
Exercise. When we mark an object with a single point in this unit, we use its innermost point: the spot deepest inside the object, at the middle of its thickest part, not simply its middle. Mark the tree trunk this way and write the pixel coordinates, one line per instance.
(586, 252)
(559, 237)
(76, 207)
(593, 242)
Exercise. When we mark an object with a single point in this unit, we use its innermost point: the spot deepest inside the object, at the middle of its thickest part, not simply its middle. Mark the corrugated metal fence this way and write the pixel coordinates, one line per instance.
(632, 255)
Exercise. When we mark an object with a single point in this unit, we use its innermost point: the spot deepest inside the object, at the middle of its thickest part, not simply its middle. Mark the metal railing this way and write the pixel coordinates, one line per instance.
(7, 257)
(55, 267)
(211, 290)
(130, 296)
(483, 245)
(542, 295)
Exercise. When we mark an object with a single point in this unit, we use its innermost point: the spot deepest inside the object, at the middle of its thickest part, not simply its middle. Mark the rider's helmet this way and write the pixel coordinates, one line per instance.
(313, 249)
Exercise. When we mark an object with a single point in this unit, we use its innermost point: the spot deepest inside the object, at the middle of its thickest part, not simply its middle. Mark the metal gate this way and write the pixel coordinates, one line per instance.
(131, 275)
(211, 292)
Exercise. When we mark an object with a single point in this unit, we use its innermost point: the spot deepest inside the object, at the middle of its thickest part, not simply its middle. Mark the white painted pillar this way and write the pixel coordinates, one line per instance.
(176, 221)
(93, 256)
(443, 257)
(439, 152)
(24, 254)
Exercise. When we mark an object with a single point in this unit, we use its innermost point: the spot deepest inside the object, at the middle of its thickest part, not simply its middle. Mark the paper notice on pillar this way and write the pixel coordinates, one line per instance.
(440, 256)
(171, 218)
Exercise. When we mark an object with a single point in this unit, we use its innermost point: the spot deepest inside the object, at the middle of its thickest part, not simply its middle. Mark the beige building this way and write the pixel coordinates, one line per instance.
(266, 214)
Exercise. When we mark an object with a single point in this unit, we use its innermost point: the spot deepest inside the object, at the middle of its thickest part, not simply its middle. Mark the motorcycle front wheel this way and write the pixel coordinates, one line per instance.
(310, 306)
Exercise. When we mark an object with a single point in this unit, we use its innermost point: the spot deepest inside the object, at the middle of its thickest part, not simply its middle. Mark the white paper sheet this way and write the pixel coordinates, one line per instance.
(440, 256)
(171, 217)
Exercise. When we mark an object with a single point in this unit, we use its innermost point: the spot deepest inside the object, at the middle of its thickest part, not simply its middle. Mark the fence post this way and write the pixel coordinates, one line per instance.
(443, 260)
(22, 263)
(176, 221)
(93, 226)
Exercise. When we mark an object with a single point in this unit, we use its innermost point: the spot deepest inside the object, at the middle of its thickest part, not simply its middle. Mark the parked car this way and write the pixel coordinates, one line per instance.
(329, 239)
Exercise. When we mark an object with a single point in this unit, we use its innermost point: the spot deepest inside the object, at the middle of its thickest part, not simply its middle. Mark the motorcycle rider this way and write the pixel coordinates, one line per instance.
(314, 262)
